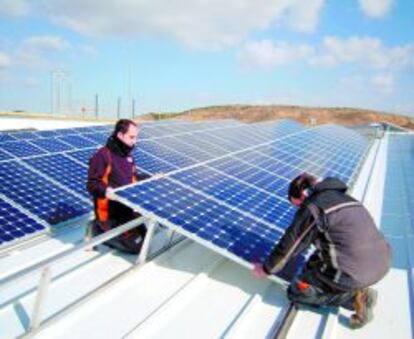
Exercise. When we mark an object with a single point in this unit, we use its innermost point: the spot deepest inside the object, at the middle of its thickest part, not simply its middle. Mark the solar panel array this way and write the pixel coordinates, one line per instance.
(236, 203)
(44, 172)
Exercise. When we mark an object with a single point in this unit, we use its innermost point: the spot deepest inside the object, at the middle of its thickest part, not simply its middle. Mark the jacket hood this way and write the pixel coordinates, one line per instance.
(330, 184)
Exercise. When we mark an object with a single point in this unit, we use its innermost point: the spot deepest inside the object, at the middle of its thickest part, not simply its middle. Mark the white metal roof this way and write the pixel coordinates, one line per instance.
(188, 290)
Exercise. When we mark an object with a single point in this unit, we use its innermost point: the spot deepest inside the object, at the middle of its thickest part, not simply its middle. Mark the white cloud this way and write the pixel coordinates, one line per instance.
(375, 8)
(201, 24)
(14, 8)
(89, 50)
(4, 60)
(384, 83)
(267, 54)
(366, 53)
(45, 43)
(40, 51)
(305, 15)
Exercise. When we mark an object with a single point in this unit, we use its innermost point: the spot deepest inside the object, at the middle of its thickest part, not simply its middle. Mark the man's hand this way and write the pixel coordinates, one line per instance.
(109, 193)
(258, 271)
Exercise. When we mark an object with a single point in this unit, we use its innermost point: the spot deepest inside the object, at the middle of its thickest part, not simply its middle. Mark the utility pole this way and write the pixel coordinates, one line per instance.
(118, 112)
(96, 105)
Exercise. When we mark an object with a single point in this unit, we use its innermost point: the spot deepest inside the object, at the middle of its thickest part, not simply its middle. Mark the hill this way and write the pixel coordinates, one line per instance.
(304, 115)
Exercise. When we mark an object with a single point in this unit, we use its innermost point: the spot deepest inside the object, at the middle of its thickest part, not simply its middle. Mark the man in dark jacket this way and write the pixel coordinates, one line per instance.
(110, 167)
(351, 254)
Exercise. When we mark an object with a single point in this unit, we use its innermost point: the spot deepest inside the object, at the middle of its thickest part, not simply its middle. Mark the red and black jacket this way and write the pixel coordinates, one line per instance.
(112, 166)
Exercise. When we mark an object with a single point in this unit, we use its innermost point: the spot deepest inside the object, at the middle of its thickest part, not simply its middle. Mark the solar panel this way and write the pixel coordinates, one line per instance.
(4, 156)
(5, 137)
(166, 154)
(51, 145)
(47, 134)
(83, 155)
(61, 168)
(99, 138)
(21, 149)
(208, 220)
(25, 135)
(40, 196)
(241, 198)
(150, 164)
(16, 225)
(77, 141)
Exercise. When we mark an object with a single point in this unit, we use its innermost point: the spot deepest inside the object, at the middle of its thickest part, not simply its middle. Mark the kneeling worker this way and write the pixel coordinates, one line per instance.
(110, 167)
(351, 254)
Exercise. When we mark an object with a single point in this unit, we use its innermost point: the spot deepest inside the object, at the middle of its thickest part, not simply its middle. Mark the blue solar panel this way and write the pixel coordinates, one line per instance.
(47, 134)
(100, 138)
(51, 145)
(38, 195)
(21, 149)
(25, 135)
(238, 194)
(253, 175)
(77, 141)
(225, 228)
(64, 170)
(165, 153)
(5, 137)
(82, 155)
(151, 164)
(4, 156)
(65, 131)
(186, 149)
(217, 202)
(16, 225)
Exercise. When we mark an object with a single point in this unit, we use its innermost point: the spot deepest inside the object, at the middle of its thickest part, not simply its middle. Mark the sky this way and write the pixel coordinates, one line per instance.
(165, 56)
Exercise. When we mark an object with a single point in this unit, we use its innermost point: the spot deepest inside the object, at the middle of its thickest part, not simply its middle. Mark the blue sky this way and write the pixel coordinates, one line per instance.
(177, 55)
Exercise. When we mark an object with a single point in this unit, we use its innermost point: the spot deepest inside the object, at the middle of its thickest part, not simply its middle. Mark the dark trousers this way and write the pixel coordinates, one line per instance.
(307, 289)
(129, 242)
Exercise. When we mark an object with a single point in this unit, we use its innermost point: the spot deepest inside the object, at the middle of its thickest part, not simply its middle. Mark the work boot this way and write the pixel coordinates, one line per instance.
(364, 302)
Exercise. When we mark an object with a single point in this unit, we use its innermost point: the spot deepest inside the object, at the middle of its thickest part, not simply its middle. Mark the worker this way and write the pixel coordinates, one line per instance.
(350, 254)
(110, 167)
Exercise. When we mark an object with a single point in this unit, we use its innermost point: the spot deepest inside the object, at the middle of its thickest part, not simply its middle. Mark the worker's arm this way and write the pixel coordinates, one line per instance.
(298, 236)
(98, 165)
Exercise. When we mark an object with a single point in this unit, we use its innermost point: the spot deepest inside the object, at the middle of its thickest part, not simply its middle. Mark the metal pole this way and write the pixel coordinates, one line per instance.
(133, 108)
(51, 92)
(118, 112)
(41, 294)
(145, 246)
(96, 105)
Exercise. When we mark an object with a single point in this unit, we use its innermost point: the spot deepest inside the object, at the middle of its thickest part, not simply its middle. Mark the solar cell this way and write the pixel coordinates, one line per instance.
(39, 195)
(99, 138)
(47, 134)
(63, 169)
(4, 156)
(21, 149)
(51, 145)
(165, 153)
(25, 135)
(16, 225)
(5, 137)
(150, 164)
(83, 155)
(78, 141)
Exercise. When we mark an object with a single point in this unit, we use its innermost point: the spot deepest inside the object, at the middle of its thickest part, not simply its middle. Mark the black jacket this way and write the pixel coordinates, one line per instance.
(350, 251)
(118, 156)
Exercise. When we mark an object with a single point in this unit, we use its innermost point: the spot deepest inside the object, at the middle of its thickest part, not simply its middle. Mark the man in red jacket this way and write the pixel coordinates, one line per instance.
(110, 167)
